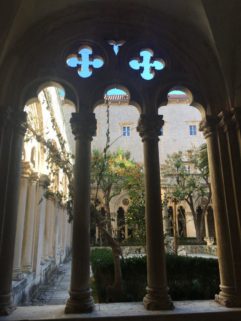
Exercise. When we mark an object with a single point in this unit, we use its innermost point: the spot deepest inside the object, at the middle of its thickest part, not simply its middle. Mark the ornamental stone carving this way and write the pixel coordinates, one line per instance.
(225, 120)
(209, 125)
(236, 117)
(149, 126)
(18, 121)
(83, 125)
(5, 115)
(26, 169)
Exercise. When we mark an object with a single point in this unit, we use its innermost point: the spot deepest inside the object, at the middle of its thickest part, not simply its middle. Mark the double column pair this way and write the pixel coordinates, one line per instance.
(224, 149)
(84, 126)
(11, 142)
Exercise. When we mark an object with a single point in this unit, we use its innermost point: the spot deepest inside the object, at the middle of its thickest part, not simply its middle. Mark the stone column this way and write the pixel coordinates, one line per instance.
(166, 222)
(48, 245)
(157, 297)
(207, 235)
(5, 159)
(22, 203)
(231, 165)
(227, 294)
(57, 233)
(39, 222)
(126, 231)
(236, 112)
(28, 237)
(62, 240)
(80, 301)
(10, 162)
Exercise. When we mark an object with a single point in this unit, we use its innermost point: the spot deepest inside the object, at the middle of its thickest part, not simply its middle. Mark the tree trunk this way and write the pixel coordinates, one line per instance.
(115, 291)
(196, 223)
(108, 216)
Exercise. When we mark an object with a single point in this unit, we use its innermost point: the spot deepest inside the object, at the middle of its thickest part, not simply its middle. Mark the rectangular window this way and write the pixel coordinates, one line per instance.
(193, 130)
(126, 131)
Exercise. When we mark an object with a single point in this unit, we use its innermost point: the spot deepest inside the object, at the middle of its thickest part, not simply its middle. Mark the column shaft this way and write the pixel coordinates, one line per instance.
(229, 151)
(28, 237)
(22, 201)
(39, 223)
(157, 297)
(12, 142)
(227, 286)
(83, 126)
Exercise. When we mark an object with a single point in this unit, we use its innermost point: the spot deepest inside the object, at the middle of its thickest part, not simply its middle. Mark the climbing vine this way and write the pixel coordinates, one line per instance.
(57, 158)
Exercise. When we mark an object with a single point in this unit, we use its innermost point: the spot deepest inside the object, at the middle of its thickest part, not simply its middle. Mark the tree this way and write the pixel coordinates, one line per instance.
(187, 179)
(136, 211)
(111, 173)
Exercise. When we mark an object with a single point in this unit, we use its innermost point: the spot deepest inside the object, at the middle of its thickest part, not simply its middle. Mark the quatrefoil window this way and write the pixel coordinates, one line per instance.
(147, 64)
(84, 61)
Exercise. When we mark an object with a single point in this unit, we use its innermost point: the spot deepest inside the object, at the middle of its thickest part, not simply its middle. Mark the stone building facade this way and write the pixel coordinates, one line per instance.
(43, 237)
(180, 132)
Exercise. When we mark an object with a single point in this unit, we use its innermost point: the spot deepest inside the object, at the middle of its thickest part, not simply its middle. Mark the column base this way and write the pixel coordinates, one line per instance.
(18, 275)
(27, 269)
(6, 306)
(157, 299)
(80, 302)
(228, 300)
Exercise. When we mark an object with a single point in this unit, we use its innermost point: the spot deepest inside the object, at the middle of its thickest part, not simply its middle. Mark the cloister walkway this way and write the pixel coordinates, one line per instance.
(55, 292)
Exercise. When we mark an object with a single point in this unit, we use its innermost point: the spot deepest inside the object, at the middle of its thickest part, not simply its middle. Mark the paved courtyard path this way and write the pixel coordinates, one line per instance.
(55, 292)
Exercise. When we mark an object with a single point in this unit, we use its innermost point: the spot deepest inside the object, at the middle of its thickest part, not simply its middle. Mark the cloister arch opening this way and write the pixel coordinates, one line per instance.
(177, 95)
(43, 236)
(184, 165)
(216, 125)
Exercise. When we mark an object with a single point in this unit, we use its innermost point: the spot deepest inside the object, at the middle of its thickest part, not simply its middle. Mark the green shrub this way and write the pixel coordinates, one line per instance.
(192, 278)
(189, 278)
(103, 271)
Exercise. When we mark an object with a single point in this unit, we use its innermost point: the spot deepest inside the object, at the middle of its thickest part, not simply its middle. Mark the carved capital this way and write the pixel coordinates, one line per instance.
(34, 177)
(18, 122)
(83, 125)
(209, 126)
(236, 117)
(149, 126)
(26, 169)
(44, 181)
(5, 115)
(225, 120)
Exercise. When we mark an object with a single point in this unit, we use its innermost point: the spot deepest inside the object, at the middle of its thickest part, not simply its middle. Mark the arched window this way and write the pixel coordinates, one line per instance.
(33, 157)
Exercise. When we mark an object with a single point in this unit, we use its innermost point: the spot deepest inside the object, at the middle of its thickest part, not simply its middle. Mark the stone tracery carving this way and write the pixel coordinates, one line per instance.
(147, 64)
(83, 62)
(116, 45)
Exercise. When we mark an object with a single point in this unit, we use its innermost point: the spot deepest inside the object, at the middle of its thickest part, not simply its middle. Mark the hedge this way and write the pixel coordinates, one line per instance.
(189, 278)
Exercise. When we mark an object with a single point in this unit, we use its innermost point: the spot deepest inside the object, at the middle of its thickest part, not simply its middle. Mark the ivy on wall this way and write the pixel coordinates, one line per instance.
(56, 157)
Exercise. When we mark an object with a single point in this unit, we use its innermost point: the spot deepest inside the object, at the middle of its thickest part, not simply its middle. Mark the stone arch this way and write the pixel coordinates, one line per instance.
(32, 90)
(157, 26)
(68, 33)
(181, 221)
(170, 218)
(33, 156)
(193, 94)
